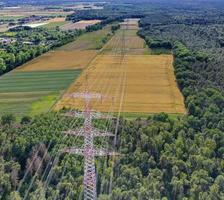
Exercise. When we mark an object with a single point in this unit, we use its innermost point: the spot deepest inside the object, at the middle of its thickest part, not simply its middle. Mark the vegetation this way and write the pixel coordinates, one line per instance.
(91, 40)
(53, 25)
(28, 43)
(165, 158)
(33, 93)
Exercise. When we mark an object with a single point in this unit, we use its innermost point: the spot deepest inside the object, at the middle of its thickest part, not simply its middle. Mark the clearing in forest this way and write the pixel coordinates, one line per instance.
(132, 81)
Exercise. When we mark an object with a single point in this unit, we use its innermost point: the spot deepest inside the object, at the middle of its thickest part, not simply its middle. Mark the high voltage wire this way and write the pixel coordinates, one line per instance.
(118, 86)
(88, 151)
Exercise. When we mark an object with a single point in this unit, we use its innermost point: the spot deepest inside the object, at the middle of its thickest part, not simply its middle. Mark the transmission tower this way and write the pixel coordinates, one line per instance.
(88, 150)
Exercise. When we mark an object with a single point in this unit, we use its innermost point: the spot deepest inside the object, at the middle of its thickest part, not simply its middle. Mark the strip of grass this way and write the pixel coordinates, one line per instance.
(23, 93)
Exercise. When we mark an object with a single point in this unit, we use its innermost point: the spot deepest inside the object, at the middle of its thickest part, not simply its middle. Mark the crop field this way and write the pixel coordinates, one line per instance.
(25, 11)
(59, 60)
(57, 19)
(127, 41)
(33, 92)
(55, 22)
(131, 42)
(79, 25)
(131, 81)
(34, 87)
(89, 41)
(3, 28)
(75, 55)
(130, 24)
(143, 84)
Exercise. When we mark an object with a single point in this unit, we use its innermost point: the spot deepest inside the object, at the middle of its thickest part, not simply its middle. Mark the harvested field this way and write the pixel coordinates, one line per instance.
(3, 28)
(79, 25)
(144, 84)
(133, 82)
(75, 55)
(126, 40)
(131, 43)
(32, 93)
(130, 24)
(57, 19)
(59, 60)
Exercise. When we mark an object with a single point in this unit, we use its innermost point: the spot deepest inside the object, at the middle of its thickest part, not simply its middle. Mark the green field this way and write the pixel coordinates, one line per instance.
(32, 93)
(90, 41)
(53, 25)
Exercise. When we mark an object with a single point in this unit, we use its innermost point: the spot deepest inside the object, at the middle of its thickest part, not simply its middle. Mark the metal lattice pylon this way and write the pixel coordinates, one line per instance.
(88, 150)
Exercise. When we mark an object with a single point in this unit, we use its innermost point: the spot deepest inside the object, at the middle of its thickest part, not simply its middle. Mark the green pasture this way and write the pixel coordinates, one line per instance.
(90, 41)
(32, 93)
(53, 25)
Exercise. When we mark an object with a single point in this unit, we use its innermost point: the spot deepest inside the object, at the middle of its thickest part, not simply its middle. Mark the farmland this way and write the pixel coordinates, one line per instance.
(24, 11)
(55, 22)
(132, 81)
(90, 41)
(75, 55)
(35, 86)
(151, 141)
(79, 25)
(22, 92)
(59, 60)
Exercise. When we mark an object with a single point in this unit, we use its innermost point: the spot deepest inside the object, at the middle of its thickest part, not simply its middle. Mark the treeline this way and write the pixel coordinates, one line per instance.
(27, 43)
(108, 14)
(162, 157)
(195, 169)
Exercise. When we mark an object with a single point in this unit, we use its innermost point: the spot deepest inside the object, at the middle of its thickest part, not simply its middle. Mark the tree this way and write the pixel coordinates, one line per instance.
(26, 120)
(38, 193)
(2, 65)
(8, 119)
(15, 196)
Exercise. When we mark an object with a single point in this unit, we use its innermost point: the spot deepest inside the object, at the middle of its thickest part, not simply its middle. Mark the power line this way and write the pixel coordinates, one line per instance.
(88, 150)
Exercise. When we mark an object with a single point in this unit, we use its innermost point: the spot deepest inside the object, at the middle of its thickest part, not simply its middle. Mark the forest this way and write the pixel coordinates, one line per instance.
(166, 157)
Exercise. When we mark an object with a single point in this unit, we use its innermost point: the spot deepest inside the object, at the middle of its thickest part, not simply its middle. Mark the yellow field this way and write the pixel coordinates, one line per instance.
(131, 81)
(74, 55)
(125, 40)
(130, 42)
(59, 60)
(57, 19)
(144, 84)
(79, 25)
